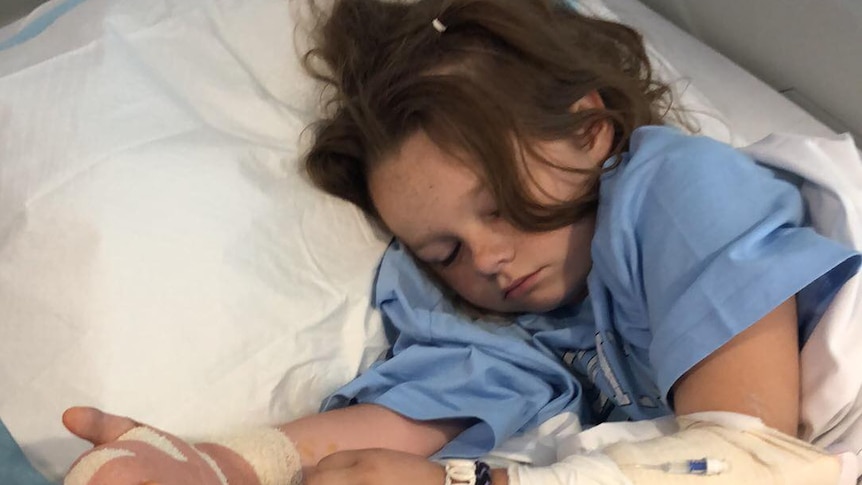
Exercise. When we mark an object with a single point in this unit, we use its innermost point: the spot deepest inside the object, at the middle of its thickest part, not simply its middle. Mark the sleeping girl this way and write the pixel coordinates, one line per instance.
(559, 247)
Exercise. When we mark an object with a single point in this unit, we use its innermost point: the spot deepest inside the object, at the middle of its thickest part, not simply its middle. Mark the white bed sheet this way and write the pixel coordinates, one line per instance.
(159, 255)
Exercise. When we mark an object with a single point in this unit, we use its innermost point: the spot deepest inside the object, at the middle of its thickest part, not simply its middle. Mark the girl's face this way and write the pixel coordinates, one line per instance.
(440, 209)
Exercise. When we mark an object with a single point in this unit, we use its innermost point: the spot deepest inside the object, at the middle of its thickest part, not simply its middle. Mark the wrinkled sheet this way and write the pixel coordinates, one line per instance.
(160, 256)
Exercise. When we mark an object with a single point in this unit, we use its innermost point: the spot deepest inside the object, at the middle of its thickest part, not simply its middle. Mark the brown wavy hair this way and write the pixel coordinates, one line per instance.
(501, 70)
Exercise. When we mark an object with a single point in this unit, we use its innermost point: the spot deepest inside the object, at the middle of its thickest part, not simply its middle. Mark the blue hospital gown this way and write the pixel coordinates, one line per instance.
(694, 243)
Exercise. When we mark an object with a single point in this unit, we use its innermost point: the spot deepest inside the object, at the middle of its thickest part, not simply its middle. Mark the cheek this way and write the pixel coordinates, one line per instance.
(458, 279)
(467, 284)
(578, 256)
(553, 244)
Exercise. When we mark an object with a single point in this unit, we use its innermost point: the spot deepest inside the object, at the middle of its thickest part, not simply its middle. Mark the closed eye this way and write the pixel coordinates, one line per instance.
(451, 257)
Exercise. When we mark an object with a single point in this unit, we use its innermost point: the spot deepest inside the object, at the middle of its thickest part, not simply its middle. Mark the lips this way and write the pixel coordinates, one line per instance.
(520, 286)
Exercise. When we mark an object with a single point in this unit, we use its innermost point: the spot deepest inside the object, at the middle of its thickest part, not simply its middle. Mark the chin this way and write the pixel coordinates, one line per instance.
(546, 302)
(541, 304)
(542, 307)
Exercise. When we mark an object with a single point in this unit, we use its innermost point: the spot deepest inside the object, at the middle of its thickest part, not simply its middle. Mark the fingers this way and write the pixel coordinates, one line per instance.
(95, 426)
(142, 456)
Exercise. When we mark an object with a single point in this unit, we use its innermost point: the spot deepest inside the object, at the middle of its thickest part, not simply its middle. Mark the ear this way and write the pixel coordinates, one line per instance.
(591, 100)
(601, 137)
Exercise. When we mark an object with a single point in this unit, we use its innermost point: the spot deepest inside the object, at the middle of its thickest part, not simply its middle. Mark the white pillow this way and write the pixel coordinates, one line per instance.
(160, 256)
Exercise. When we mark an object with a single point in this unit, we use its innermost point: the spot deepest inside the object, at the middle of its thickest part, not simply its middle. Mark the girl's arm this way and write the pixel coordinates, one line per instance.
(384, 467)
(148, 456)
(756, 373)
(367, 426)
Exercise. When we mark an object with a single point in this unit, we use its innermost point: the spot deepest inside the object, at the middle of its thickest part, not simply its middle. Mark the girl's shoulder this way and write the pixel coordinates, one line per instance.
(665, 147)
(692, 184)
(663, 160)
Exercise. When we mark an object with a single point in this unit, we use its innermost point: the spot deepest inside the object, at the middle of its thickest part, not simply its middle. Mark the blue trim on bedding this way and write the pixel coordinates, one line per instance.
(38, 25)
(14, 467)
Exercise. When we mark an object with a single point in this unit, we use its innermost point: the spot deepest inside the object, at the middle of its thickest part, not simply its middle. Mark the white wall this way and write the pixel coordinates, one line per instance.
(11, 10)
(810, 49)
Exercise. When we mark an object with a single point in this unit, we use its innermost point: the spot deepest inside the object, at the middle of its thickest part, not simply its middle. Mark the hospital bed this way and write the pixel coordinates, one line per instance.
(160, 254)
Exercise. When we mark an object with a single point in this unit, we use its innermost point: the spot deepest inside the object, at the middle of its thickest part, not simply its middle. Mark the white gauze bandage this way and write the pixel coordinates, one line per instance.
(741, 448)
(271, 454)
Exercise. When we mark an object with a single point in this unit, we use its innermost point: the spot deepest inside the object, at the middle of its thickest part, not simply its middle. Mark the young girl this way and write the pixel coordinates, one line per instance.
(558, 249)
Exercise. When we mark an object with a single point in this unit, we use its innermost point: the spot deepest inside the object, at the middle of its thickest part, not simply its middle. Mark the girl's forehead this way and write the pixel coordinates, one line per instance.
(420, 161)
(420, 188)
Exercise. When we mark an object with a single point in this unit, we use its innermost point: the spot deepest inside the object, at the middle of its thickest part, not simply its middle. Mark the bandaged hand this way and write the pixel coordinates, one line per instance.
(129, 453)
(745, 449)
(740, 449)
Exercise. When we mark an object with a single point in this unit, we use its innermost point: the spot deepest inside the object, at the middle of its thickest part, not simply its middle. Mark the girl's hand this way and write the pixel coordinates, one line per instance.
(375, 467)
(154, 456)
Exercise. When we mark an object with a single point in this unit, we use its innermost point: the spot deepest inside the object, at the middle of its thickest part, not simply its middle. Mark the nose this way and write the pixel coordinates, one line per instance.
(491, 252)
